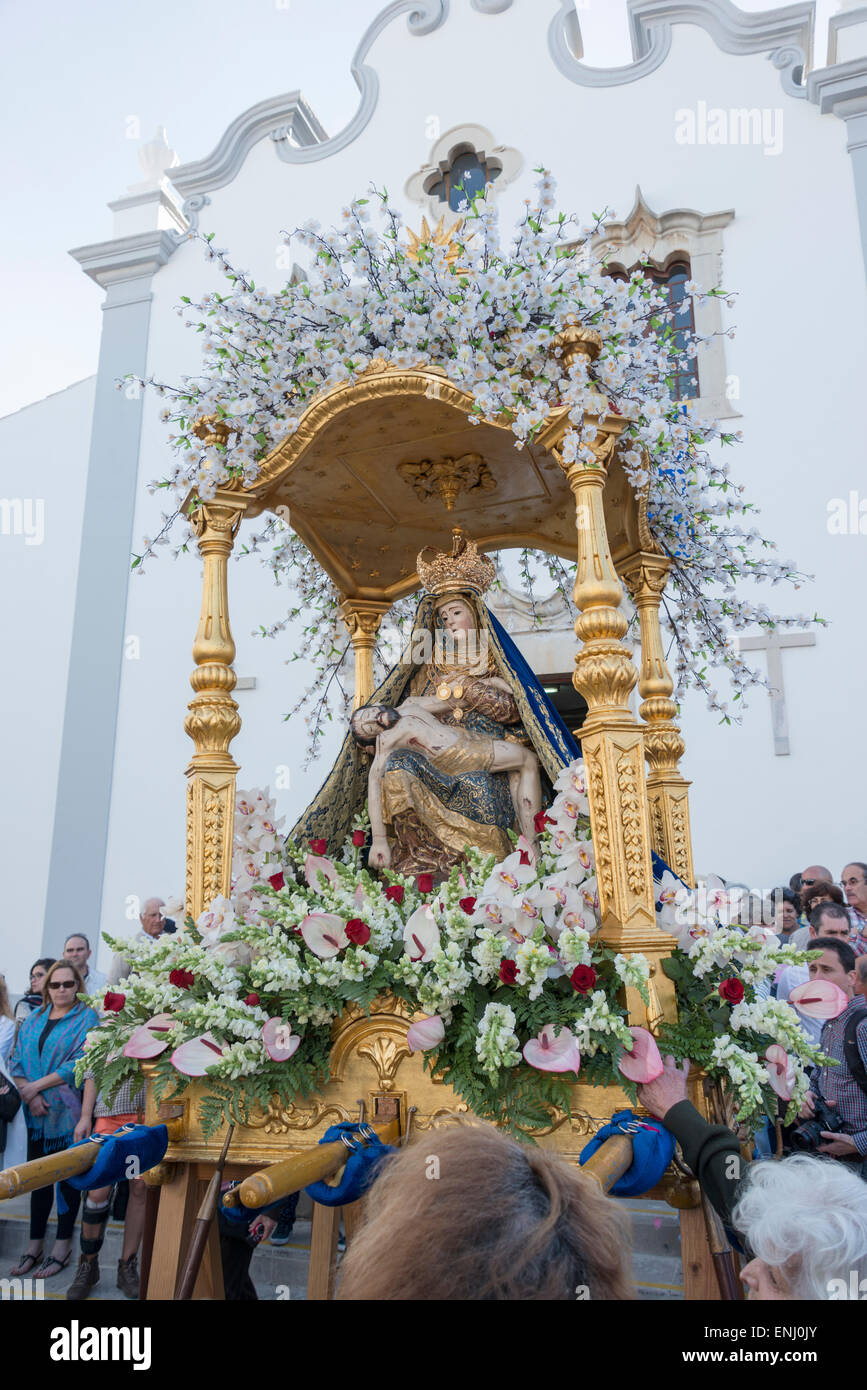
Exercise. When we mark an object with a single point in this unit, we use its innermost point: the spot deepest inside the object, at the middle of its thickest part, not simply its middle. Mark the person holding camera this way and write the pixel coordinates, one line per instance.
(835, 1108)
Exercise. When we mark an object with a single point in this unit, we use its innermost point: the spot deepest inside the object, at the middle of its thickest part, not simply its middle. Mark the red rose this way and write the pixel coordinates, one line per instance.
(358, 838)
(394, 893)
(113, 1003)
(319, 846)
(508, 971)
(184, 979)
(467, 905)
(583, 978)
(358, 931)
(424, 883)
(731, 990)
(540, 820)
(251, 999)
(277, 881)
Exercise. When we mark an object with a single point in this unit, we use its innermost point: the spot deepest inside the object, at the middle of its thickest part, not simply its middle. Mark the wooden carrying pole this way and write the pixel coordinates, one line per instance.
(201, 1230)
(66, 1163)
(300, 1169)
(610, 1161)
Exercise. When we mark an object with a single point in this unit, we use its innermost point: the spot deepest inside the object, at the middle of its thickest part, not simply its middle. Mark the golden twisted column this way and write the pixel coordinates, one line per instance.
(213, 719)
(612, 740)
(362, 618)
(612, 745)
(645, 574)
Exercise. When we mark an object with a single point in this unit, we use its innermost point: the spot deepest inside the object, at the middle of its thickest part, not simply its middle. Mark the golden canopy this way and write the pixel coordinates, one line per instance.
(382, 467)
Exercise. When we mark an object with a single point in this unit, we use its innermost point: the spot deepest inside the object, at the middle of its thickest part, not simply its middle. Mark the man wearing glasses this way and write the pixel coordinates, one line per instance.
(816, 873)
(853, 881)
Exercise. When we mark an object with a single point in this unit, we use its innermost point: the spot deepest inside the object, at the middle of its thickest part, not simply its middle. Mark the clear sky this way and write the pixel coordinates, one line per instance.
(74, 80)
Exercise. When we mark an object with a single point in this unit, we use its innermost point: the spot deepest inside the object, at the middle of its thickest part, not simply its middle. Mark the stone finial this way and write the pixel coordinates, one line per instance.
(155, 158)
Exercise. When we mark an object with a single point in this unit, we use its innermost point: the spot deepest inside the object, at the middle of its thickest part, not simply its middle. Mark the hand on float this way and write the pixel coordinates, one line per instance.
(82, 1130)
(667, 1090)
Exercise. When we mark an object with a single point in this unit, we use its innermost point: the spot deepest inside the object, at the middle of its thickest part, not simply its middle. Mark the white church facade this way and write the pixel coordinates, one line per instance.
(729, 151)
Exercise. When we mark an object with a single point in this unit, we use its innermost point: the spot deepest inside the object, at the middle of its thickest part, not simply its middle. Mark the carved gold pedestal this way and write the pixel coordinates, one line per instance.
(370, 1062)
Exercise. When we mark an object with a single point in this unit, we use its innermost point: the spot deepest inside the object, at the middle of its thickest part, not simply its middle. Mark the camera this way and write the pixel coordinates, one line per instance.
(807, 1137)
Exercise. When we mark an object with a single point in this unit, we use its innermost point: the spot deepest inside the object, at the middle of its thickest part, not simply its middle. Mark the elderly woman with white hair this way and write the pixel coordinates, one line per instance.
(803, 1220)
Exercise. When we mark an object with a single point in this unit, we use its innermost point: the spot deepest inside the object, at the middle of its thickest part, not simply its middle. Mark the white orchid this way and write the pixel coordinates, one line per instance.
(509, 878)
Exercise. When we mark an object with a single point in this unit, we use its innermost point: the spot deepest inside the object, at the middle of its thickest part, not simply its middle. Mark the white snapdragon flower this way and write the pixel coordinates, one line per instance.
(496, 1041)
(743, 1069)
(487, 953)
(633, 970)
(534, 961)
(573, 947)
(597, 1024)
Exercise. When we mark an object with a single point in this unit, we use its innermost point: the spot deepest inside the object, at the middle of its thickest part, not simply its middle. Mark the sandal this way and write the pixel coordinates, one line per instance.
(25, 1264)
(43, 1272)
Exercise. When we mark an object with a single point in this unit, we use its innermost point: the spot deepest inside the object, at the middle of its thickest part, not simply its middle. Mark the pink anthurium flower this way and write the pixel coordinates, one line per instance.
(526, 850)
(781, 1071)
(194, 1057)
(819, 999)
(643, 1062)
(151, 1038)
(551, 1051)
(421, 934)
(425, 1033)
(280, 1042)
(324, 933)
(316, 864)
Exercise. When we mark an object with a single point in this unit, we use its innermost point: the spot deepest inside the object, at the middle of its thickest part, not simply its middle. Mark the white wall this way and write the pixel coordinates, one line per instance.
(43, 459)
(792, 253)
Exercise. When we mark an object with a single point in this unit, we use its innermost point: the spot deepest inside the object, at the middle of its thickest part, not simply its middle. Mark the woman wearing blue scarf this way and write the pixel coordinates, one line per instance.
(42, 1063)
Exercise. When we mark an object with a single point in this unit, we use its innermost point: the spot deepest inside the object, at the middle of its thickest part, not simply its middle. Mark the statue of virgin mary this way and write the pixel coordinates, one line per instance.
(461, 663)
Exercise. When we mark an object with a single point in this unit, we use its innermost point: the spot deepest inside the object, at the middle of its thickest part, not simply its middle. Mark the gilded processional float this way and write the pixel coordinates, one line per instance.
(474, 916)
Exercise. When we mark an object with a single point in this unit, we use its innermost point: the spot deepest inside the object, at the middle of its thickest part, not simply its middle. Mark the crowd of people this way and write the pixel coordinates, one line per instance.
(41, 1040)
(503, 1220)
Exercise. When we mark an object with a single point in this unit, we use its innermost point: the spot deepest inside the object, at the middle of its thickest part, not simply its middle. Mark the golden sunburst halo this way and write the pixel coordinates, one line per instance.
(440, 236)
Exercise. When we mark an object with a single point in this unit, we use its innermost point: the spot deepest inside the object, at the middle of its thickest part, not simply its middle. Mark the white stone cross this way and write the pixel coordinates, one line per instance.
(772, 643)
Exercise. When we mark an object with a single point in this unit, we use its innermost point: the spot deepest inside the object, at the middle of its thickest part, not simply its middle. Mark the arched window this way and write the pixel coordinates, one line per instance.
(466, 176)
(684, 383)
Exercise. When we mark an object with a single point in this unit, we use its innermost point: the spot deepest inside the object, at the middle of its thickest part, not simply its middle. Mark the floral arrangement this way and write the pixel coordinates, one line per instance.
(516, 993)
(490, 316)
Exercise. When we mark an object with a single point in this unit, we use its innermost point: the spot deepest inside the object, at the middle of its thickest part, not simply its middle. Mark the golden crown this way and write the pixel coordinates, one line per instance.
(461, 571)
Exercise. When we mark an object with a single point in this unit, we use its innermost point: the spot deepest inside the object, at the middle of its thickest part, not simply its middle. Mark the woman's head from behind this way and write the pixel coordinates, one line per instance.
(468, 1214)
(805, 1220)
